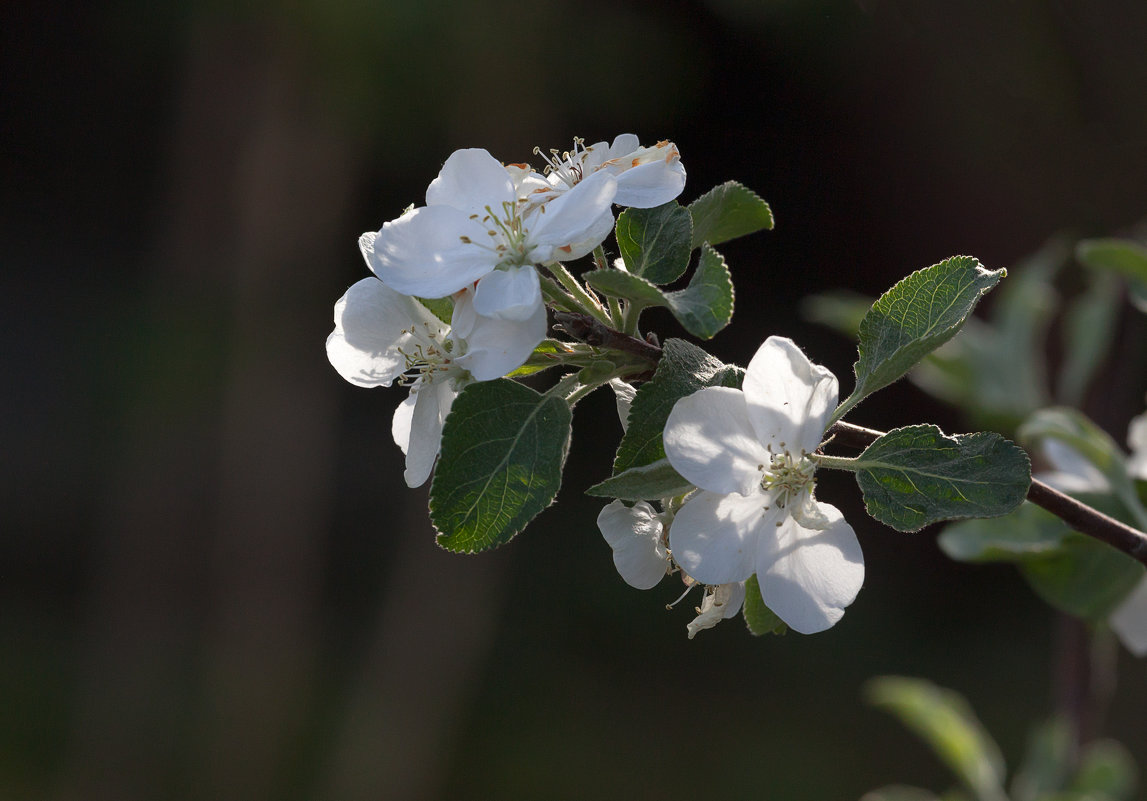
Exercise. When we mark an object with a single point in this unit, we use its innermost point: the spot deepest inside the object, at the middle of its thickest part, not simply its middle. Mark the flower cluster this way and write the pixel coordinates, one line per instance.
(750, 453)
(485, 230)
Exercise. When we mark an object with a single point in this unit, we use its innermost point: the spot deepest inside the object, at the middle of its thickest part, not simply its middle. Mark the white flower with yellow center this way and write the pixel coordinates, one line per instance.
(748, 451)
(646, 176)
(478, 230)
(382, 336)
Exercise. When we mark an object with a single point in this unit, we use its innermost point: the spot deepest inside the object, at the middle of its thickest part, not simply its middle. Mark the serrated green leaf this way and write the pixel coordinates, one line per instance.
(758, 617)
(1123, 256)
(684, 368)
(728, 211)
(916, 316)
(917, 475)
(944, 720)
(656, 243)
(706, 305)
(1106, 772)
(503, 448)
(1027, 533)
(644, 483)
(1083, 577)
(620, 284)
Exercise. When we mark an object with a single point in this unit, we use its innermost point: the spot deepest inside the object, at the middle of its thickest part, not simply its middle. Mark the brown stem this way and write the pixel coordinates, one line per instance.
(1079, 516)
(594, 332)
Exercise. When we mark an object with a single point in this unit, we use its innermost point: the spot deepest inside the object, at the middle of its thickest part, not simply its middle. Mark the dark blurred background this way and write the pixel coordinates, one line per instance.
(214, 583)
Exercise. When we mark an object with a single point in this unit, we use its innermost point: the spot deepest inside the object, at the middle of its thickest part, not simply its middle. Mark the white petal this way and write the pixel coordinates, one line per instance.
(634, 534)
(510, 294)
(720, 603)
(495, 347)
(714, 537)
(463, 317)
(372, 322)
(1073, 472)
(471, 180)
(648, 185)
(710, 442)
(423, 252)
(593, 236)
(568, 219)
(789, 398)
(432, 404)
(808, 577)
(1137, 441)
(1129, 620)
(625, 393)
(624, 144)
(400, 423)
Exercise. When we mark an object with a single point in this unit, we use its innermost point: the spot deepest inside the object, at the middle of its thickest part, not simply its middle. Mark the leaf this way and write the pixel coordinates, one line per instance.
(1084, 577)
(621, 284)
(656, 243)
(1028, 532)
(917, 475)
(945, 721)
(706, 305)
(916, 316)
(1123, 256)
(547, 354)
(758, 617)
(1088, 331)
(726, 212)
(647, 482)
(684, 368)
(1044, 769)
(442, 308)
(503, 448)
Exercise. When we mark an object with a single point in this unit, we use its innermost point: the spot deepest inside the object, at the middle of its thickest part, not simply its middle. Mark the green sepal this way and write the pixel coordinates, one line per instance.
(759, 619)
(656, 243)
(644, 483)
(728, 211)
(917, 475)
(913, 318)
(683, 369)
(503, 449)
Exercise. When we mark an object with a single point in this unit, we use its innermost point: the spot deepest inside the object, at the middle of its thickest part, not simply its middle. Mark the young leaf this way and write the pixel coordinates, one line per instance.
(1083, 577)
(916, 475)
(706, 305)
(759, 618)
(656, 243)
(1088, 331)
(644, 483)
(726, 212)
(684, 368)
(503, 448)
(620, 284)
(916, 316)
(945, 721)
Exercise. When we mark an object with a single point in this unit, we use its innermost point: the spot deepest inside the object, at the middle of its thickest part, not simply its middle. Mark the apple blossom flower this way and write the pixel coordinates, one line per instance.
(719, 603)
(748, 451)
(646, 176)
(477, 230)
(381, 336)
(636, 536)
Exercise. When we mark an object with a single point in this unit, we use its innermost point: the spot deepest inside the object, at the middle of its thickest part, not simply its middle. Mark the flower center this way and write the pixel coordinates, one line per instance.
(431, 358)
(786, 475)
(507, 236)
(566, 166)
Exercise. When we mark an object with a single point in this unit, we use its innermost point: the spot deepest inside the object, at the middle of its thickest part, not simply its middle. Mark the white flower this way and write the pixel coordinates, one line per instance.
(381, 335)
(720, 603)
(748, 452)
(635, 535)
(477, 228)
(1137, 442)
(624, 394)
(646, 176)
(1129, 620)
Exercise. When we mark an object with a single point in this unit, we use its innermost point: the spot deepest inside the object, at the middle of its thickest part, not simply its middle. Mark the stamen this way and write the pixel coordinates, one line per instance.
(680, 599)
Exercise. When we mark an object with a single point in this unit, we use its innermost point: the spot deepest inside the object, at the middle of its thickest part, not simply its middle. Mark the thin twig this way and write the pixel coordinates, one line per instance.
(593, 332)
(1079, 516)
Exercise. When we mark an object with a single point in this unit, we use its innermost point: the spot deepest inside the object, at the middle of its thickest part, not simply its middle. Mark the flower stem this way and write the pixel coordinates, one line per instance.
(587, 302)
(594, 332)
(1079, 516)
